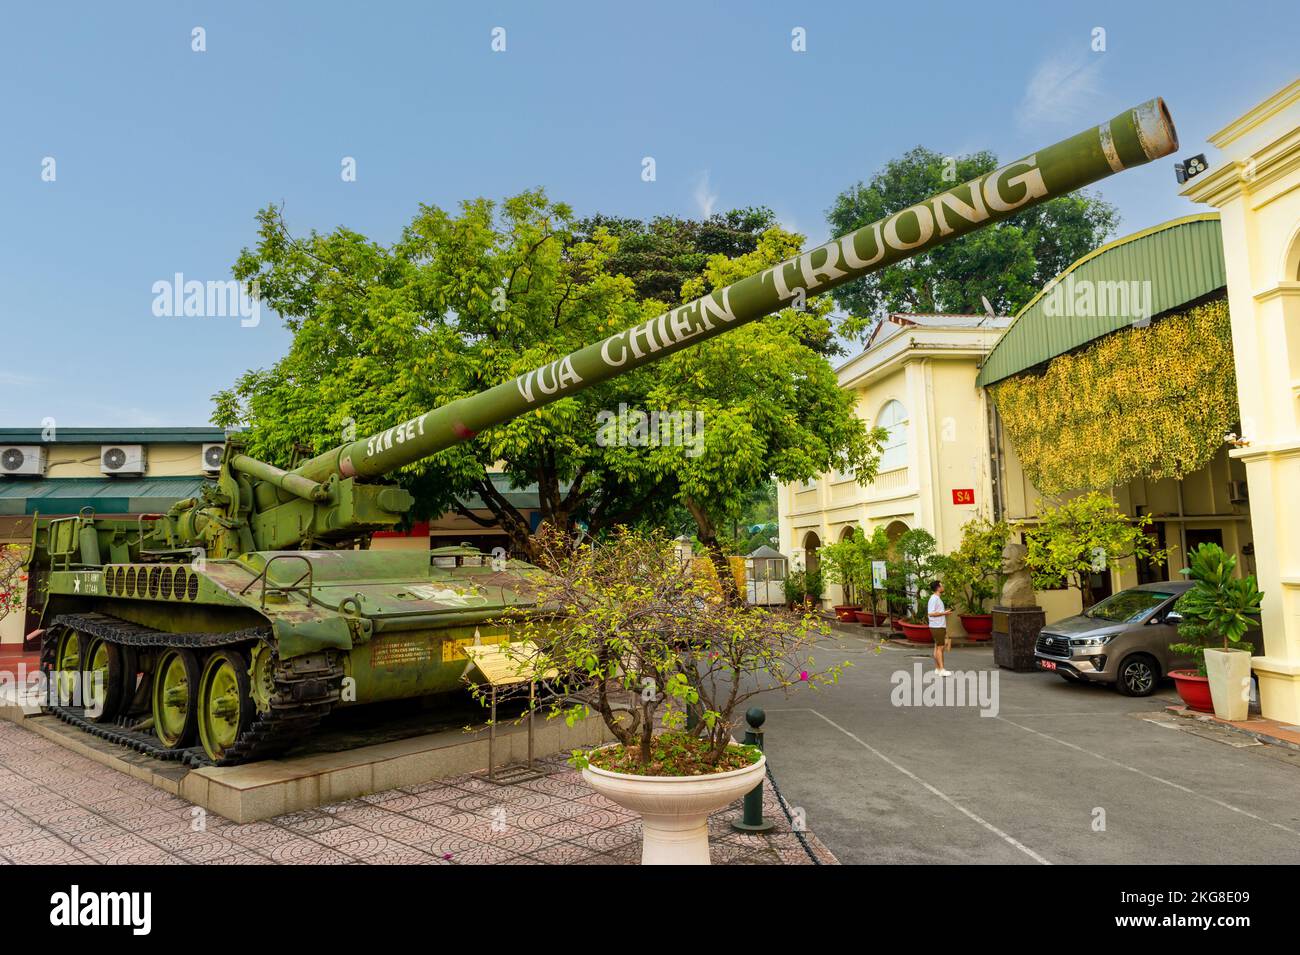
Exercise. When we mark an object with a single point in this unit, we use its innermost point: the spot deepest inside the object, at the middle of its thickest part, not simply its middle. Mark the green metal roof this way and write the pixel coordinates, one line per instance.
(204, 435)
(1182, 260)
(62, 496)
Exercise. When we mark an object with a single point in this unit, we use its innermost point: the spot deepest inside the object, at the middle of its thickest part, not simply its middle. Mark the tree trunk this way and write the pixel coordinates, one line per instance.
(647, 738)
(708, 535)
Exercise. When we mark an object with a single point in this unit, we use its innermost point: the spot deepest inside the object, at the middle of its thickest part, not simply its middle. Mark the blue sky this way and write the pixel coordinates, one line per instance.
(163, 154)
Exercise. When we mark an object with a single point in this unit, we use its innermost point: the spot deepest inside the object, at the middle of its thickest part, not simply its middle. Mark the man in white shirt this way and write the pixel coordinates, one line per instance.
(938, 625)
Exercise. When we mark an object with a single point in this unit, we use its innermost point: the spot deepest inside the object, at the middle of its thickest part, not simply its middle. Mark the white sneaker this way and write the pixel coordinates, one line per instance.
(944, 672)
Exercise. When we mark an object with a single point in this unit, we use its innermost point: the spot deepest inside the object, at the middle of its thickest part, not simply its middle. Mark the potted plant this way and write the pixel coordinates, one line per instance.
(668, 666)
(1219, 609)
(873, 548)
(898, 599)
(794, 589)
(814, 587)
(973, 573)
(843, 565)
(917, 562)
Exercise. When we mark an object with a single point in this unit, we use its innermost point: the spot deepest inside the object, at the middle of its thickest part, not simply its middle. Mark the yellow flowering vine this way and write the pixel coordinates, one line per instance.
(1153, 402)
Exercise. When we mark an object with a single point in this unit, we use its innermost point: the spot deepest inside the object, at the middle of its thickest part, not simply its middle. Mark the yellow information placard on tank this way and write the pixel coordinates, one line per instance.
(502, 668)
(453, 650)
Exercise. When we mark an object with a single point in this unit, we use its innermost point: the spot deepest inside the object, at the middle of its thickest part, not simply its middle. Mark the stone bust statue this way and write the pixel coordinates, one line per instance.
(1017, 589)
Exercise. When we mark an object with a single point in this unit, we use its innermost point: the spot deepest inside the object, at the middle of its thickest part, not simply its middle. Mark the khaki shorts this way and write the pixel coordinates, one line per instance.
(940, 635)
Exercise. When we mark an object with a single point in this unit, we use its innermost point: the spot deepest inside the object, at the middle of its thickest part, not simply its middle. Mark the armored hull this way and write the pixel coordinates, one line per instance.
(231, 660)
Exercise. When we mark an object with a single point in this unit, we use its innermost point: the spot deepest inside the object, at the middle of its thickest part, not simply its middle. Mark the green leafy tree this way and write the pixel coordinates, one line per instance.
(843, 563)
(1219, 608)
(1006, 263)
(13, 577)
(771, 408)
(663, 254)
(464, 301)
(1085, 535)
(973, 572)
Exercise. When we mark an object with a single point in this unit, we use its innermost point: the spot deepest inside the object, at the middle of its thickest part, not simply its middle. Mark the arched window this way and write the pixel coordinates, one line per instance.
(893, 418)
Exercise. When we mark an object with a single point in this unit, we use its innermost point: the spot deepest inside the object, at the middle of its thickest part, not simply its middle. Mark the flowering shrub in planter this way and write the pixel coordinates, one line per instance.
(668, 665)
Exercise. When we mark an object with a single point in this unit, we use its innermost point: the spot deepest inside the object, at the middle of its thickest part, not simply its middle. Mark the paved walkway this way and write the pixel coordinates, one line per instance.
(59, 807)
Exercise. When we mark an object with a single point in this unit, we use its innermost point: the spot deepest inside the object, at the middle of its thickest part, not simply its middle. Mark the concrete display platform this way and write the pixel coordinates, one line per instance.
(273, 787)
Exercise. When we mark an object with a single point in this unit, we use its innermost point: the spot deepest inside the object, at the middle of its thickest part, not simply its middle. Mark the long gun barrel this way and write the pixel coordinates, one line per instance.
(1133, 138)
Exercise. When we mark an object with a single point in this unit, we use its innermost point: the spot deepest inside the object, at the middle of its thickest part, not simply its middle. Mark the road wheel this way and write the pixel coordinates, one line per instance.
(175, 697)
(67, 669)
(105, 674)
(1138, 675)
(226, 708)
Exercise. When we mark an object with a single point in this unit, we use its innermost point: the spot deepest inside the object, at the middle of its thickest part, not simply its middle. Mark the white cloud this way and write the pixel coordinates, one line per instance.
(1062, 88)
(705, 196)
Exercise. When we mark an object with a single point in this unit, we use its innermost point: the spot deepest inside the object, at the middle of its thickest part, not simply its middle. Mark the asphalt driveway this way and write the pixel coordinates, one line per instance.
(1060, 774)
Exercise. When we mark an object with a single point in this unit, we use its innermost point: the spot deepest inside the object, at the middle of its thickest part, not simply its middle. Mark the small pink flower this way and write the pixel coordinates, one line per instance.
(803, 675)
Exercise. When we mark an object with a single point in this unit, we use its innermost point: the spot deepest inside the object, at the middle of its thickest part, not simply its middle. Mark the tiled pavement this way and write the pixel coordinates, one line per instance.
(59, 807)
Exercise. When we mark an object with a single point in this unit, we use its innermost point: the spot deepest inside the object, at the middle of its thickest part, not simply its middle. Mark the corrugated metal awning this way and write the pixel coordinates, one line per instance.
(1181, 260)
(55, 497)
(112, 435)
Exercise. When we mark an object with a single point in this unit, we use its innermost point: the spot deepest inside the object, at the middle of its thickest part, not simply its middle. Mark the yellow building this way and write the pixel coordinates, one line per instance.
(1255, 185)
(935, 381)
(916, 378)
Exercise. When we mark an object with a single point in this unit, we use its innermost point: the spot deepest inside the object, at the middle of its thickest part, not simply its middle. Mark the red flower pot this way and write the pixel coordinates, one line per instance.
(845, 613)
(1194, 689)
(916, 632)
(866, 618)
(978, 626)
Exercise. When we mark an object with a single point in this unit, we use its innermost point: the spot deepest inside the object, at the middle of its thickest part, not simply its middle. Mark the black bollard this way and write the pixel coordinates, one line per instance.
(752, 819)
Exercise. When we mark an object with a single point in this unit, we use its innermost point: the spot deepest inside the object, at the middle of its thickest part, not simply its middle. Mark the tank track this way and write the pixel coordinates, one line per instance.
(305, 690)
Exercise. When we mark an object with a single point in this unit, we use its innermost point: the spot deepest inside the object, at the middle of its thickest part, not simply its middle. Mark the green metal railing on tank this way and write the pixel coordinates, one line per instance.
(293, 588)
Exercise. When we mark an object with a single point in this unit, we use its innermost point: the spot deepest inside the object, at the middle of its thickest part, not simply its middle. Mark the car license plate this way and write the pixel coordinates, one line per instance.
(1047, 664)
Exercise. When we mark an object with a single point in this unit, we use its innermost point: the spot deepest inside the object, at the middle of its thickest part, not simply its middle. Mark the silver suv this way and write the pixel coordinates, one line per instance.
(1123, 640)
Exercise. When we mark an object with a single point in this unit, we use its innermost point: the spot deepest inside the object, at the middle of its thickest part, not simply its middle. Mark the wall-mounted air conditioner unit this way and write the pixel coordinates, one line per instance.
(122, 459)
(212, 454)
(27, 460)
(1238, 492)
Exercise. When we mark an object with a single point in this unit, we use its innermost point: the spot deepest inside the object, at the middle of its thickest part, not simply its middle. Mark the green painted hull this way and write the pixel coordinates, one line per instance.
(397, 619)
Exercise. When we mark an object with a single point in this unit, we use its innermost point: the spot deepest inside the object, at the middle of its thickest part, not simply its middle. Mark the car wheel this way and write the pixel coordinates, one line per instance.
(1138, 675)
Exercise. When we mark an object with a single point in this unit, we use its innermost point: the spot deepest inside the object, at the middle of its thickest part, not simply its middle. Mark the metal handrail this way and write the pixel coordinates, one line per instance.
(292, 588)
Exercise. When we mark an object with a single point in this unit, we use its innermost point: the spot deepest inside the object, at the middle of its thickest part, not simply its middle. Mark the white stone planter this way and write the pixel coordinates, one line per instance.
(675, 810)
(1229, 675)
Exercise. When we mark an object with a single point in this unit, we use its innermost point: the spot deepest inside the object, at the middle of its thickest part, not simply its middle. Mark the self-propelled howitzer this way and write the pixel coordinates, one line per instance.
(240, 618)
